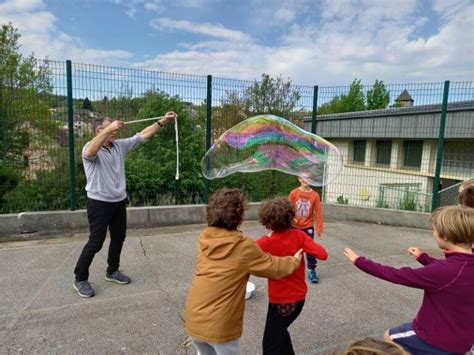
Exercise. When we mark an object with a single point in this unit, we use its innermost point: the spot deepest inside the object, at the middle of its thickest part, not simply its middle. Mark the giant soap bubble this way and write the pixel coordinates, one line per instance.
(267, 142)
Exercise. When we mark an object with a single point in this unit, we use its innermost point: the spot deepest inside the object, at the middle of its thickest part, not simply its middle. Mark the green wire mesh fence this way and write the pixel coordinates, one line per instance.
(389, 135)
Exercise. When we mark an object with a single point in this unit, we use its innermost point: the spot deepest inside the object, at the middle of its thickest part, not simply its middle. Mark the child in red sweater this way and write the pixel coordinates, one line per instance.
(286, 296)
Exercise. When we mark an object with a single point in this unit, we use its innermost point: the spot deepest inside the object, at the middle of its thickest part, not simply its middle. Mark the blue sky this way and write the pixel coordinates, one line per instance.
(327, 42)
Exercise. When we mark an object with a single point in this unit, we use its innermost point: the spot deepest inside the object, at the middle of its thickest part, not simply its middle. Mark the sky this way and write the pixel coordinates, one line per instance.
(312, 42)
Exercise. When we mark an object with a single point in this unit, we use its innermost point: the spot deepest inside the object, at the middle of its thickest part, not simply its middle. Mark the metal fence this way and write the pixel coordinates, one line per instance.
(401, 144)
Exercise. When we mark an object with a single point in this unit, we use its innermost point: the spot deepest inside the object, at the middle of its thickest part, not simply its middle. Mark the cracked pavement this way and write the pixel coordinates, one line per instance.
(41, 313)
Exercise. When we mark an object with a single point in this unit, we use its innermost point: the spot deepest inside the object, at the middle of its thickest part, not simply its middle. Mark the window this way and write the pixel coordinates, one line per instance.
(412, 152)
(358, 154)
(384, 151)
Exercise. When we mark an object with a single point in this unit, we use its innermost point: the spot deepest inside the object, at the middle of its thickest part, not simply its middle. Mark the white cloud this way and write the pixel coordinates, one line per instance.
(212, 30)
(40, 35)
(278, 13)
(9, 6)
(132, 7)
(368, 39)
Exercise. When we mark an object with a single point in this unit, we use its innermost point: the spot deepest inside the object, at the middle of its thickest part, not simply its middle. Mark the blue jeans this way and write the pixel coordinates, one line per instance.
(310, 260)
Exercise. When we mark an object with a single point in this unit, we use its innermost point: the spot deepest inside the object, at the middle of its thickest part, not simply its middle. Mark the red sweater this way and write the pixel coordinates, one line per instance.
(293, 287)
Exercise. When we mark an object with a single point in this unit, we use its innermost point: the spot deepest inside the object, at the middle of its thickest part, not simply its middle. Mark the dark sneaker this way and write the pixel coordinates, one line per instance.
(83, 288)
(313, 278)
(117, 277)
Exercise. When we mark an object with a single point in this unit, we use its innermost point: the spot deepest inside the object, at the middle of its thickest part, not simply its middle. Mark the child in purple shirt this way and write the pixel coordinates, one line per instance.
(445, 321)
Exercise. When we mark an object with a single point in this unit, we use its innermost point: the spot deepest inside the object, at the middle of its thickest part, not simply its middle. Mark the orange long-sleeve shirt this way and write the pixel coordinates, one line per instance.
(308, 209)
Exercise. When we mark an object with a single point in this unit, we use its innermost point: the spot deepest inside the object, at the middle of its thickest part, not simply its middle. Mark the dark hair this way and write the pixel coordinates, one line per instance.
(99, 121)
(277, 214)
(371, 346)
(466, 197)
(454, 224)
(226, 208)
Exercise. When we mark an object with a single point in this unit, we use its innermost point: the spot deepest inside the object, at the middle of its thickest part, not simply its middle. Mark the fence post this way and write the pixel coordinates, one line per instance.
(439, 157)
(70, 123)
(208, 132)
(315, 109)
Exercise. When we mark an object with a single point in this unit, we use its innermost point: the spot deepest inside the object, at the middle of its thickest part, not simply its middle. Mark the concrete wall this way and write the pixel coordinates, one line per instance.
(30, 225)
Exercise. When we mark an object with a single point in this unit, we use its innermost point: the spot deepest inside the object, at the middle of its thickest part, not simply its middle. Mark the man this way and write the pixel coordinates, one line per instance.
(104, 166)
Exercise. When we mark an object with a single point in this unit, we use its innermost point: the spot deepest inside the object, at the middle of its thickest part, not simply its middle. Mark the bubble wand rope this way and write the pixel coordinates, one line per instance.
(176, 136)
(177, 146)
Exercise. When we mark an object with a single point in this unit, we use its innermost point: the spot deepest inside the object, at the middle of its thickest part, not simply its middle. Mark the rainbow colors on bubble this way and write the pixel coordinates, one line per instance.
(269, 142)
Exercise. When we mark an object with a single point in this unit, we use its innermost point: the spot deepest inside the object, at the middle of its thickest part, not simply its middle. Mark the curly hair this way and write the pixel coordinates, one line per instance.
(466, 196)
(226, 208)
(277, 214)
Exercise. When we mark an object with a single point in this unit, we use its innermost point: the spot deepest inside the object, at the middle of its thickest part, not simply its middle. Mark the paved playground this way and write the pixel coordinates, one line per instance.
(41, 313)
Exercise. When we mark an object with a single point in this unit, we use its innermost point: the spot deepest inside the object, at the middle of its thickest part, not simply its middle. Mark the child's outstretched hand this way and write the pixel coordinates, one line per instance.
(350, 254)
(414, 251)
(298, 255)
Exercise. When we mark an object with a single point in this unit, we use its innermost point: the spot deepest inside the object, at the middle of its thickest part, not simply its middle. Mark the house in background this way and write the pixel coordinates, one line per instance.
(390, 155)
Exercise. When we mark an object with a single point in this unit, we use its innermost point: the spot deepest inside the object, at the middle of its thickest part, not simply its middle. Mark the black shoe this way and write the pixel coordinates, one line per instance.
(117, 277)
(84, 289)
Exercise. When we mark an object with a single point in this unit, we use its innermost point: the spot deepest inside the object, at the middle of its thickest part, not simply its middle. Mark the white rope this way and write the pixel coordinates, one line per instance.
(177, 146)
(176, 136)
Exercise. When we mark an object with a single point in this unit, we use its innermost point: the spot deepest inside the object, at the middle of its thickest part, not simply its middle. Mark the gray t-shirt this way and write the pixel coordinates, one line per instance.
(105, 172)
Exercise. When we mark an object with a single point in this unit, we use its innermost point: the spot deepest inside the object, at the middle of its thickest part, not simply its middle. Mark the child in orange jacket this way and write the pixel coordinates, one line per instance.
(309, 218)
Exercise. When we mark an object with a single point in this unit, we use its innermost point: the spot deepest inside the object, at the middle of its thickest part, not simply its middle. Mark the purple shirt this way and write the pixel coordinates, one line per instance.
(446, 317)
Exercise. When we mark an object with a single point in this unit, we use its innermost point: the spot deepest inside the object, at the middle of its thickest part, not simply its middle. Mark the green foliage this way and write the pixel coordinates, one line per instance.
(380, 203)
(269, 95)
(21, 109)
(378, 97)
(408, 202)
(9, 179)
(355, 100)
(151, 168)
(342, 200)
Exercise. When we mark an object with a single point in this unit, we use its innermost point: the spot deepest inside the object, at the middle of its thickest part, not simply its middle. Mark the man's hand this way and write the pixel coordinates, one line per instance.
(351, 255)
(298, 255)
(414, 251)
(114, 126)
(169, 116)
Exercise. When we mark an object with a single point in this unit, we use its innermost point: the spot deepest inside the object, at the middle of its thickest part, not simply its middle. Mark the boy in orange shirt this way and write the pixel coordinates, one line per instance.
(309, 218)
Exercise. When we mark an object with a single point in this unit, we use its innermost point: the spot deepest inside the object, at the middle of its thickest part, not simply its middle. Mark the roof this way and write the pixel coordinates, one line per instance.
(418, 122)
(396, 111)
(404, 96)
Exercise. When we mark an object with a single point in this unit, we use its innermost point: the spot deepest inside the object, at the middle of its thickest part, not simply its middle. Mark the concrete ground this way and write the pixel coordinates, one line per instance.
(41, 313)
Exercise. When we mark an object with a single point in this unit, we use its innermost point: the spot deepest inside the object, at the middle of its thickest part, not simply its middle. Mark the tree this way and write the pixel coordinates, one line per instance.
(271, 95)
(151, 168)
(378, 97)
(23, 81)
(87, 105)
(267, 96)
(353, 101)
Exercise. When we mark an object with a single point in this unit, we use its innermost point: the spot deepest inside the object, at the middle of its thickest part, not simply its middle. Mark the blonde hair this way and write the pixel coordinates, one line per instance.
(371, 346)
(454, 224)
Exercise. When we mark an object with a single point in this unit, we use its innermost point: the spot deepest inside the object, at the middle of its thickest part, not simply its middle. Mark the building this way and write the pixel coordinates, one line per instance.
(390, 155)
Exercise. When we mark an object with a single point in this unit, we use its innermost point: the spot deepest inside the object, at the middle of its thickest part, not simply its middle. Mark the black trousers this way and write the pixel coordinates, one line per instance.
(276, 338)
(103, 216)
